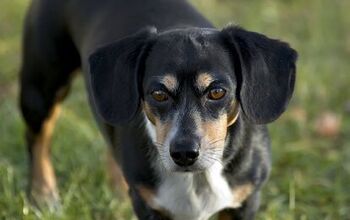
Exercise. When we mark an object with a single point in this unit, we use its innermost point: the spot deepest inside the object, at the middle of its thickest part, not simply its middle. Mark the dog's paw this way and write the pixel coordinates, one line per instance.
(45, 199)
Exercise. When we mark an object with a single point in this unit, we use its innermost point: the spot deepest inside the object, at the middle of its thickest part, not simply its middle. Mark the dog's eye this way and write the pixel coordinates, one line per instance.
(216, 93)
(160, 96)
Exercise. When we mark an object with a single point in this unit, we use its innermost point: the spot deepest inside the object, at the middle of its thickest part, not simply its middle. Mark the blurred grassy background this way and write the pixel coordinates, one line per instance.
(311, 141)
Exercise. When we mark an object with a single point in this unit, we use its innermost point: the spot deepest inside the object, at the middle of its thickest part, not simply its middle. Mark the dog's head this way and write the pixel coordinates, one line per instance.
(191, 85)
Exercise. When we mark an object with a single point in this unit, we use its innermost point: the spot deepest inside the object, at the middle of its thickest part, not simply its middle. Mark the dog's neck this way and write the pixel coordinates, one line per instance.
(194, 196)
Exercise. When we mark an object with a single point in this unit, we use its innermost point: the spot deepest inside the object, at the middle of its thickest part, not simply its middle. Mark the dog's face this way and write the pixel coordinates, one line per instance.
(189, 89)
(190, 85)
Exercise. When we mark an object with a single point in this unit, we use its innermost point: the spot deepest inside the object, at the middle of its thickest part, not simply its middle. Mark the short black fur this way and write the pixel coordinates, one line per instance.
(267, 73)
(120, 53)
(115, 75)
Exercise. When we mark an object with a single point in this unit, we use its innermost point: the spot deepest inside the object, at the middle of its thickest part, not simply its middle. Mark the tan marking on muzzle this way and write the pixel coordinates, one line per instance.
(147, 109)
(162, 128)
(170, 82)
(204, 80)
(215, 130)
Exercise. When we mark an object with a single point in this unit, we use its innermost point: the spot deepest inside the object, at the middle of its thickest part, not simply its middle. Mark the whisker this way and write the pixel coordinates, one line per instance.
(158, 143)
(211, 160)
(214, 156)
(215, 141)
(216, 160)
(214, 149)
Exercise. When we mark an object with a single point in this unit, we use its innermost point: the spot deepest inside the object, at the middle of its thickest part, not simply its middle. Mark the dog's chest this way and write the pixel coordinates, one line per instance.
(194, 196)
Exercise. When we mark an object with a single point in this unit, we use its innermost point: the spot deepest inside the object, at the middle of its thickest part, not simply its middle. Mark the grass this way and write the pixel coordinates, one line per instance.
(311, 173)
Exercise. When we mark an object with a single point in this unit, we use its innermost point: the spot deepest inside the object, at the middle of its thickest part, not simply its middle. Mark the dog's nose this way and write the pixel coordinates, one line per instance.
(184, 153)
(184, 157)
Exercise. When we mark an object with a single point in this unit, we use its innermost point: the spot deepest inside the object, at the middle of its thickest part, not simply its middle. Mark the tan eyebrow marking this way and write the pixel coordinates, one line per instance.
(170, 82)
(204, 80)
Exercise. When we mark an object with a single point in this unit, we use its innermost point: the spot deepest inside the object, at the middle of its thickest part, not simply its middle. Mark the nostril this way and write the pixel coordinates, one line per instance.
(176, 155)
(192, 155)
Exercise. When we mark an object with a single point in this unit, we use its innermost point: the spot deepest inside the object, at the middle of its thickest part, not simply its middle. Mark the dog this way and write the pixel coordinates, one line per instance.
(182, 105)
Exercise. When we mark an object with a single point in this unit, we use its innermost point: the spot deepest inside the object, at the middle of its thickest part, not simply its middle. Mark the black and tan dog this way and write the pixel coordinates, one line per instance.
(182, 104)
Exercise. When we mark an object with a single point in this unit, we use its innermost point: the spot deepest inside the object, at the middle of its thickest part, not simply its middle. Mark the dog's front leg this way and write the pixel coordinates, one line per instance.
(142, 209)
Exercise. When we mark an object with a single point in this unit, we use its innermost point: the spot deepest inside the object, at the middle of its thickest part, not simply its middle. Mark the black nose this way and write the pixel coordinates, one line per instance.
(184, 153)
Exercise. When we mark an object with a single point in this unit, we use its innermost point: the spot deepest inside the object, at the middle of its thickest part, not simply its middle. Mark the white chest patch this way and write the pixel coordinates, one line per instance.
(194, 196)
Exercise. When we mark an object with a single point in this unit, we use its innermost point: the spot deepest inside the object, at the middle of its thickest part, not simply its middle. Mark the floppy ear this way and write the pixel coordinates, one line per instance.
(265, 71)
(114, 73)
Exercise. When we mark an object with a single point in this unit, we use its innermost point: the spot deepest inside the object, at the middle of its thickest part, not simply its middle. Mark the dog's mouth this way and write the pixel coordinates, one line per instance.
(190, 169)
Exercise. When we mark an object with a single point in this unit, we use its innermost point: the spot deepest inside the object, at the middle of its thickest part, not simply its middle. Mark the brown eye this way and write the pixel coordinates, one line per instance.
(159, 96)
(216, 94)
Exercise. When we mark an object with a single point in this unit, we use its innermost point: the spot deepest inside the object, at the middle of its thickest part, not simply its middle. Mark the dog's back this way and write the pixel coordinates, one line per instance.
(91, 23)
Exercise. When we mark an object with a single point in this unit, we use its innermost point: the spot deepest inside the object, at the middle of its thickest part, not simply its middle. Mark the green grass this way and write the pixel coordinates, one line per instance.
(311, 174)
